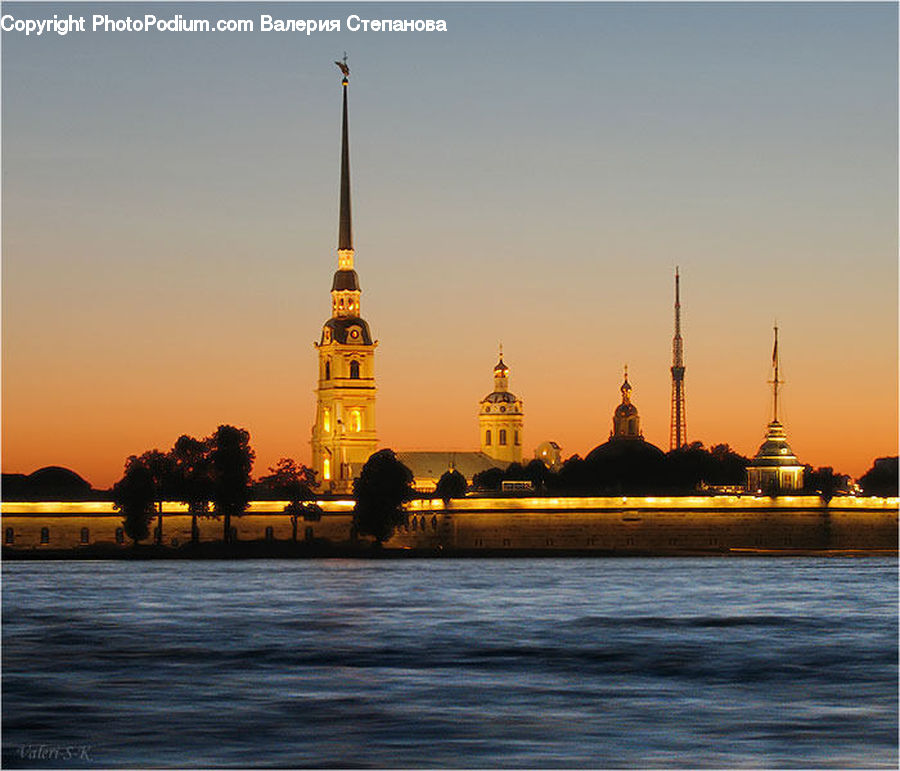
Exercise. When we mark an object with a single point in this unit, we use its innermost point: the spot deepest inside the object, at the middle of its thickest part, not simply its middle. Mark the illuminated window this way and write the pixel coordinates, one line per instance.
(327, 373)
(85, 535)
(487, 437)
(356, 420)
(502, 436)
(45, 535)
(326, 419)
(354, 370)
(326, 469)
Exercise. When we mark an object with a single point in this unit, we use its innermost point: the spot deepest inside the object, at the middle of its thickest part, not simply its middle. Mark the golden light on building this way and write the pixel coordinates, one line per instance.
(345, 392)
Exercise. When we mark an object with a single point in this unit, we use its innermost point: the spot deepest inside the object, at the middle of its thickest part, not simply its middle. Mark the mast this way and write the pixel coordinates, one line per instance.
(678, 424)
(776, 381)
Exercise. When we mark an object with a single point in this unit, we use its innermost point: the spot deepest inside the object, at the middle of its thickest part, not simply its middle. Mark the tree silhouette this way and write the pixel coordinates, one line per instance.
(881, 479)
(824, 482)
(489, 479)
(383, 486)
(293, 482)
(192, 478)
(134, 495)
(161, 467)
(288, 480)
(452, 484)
(231, 460)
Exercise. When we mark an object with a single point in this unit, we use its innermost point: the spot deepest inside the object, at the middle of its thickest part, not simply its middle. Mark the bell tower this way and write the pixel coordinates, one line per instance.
(343, 436)
(501, 418)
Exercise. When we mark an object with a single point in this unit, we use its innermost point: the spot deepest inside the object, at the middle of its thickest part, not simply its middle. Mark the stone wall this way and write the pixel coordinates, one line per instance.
(618, 525)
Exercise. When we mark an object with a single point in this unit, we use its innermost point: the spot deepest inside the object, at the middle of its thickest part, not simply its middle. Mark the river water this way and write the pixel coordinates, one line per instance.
(708, 662)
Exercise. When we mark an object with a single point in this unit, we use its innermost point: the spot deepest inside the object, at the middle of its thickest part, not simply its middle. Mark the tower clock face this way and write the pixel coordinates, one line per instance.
(354, 334)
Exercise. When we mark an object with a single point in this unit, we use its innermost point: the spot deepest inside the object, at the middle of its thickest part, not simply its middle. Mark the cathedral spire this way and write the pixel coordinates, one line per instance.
(345, 231)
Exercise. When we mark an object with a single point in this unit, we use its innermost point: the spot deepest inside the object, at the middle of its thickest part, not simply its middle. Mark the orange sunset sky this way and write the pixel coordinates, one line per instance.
(531, 176)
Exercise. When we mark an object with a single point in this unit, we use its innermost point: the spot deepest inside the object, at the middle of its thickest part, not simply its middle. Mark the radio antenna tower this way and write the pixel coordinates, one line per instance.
(678, 428)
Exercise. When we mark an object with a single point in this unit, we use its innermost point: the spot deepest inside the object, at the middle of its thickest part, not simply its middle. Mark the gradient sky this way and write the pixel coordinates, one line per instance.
(533, 175)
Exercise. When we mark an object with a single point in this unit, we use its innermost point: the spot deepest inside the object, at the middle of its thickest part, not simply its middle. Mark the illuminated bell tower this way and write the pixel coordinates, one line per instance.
(343, 436)
(500, 419)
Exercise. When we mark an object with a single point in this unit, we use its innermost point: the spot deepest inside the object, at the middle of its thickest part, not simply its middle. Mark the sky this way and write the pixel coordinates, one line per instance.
(531, 176)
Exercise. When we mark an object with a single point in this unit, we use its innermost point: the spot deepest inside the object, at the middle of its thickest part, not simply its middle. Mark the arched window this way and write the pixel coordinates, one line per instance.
(328, 370)
(120, 535)
(517, 440)
(356, 421)
(10, 535)
(502, 436)
(270, 533)
(326, 468)
(487, 437)
(326, 419)
(85, 535)
(45, 535)
(354, 370)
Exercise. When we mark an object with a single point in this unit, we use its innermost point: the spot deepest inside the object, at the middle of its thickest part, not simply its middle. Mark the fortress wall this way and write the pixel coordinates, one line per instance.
(654, 531)
(65, 529)
(646, 525)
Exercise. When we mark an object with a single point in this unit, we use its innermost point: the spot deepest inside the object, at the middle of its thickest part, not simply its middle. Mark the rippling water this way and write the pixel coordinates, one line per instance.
(462, 663)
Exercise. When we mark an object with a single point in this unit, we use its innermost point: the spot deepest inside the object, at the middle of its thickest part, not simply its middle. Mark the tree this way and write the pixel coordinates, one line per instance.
(231, 461)
(881, 479)
(383, 486)
(293, 482)
(288, 480)
(161, 467)
(824, 482)
(192, 478)
(134, 496)
(489, 479)
(537, 473)
(452, 484)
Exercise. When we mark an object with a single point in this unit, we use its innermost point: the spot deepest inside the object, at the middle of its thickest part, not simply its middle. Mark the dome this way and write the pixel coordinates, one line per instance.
(617, 450)
(341, 328)
(626, 467)
(775, 451)
(498, 397)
